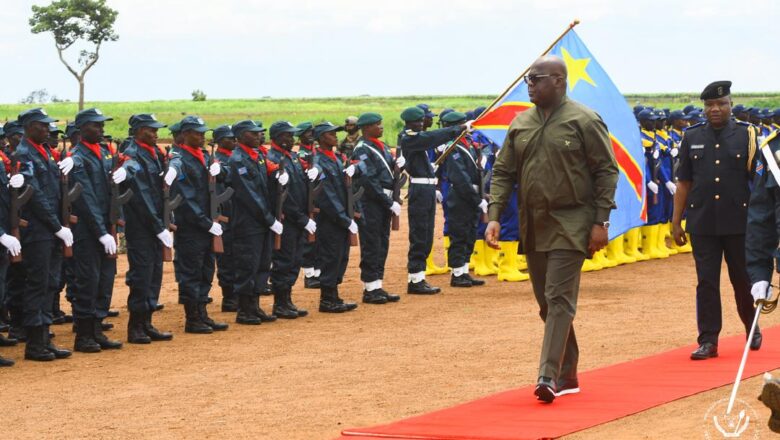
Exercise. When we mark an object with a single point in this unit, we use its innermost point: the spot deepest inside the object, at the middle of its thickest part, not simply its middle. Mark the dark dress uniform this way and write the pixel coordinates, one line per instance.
(5, 228)
(422, 193)
(93, 270)
(761, 234)
(375, 176)
(251, 219)
(225, 275)
(194, 259)
(306, 155)
(719, 165)
(286, 261)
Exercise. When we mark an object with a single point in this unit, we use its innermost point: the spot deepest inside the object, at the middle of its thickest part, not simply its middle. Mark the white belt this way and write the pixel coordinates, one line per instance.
(388, 192)
(424, 180)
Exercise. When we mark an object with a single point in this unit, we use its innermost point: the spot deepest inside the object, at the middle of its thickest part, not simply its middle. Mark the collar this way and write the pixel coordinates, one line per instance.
(41, 149)
(263, 149)
(377, 142)
(276, 147)
(330, 153)
(224, 151)
(94, 148)
(148, 148)
(254, 154)
(195, 152)
(307, 147)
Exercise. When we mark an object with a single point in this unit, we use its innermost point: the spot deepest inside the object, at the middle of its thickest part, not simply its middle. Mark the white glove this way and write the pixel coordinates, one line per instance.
(483, 160)
(441, 148)
(311, 227)
(350, 170)
(65, 235)
(119, 175)
(170, 176)
(12, 244)
(282, 178)
(66, 165)
(215, 169)
(674, 152)
(312, 173)
(400, 161)
(396, 209)
(16, 181)
(166, 238)
(653, 187)
(656, 154)
(671, 187)
(109, 244)
(439, 196)
(483, 205)
(353, 228)
(277, 228)
(435, 167)
(760, 290)
(468, 125)
(216, 229)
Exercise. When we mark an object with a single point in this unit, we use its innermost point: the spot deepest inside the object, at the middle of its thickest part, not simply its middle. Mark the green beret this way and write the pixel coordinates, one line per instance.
(412, 114)
(175, 128)
(454, 117)
(368, 119)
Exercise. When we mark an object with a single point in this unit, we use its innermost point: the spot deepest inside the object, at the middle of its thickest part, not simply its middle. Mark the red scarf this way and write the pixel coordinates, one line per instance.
(263, 149)
(6, 162)
(225, 151)
(54, 154)
(328, 153)
(281, 150)
(254, 154)
(95, 148)
(378, 143)
(40, 149)
(195, 152)
(308, 147)
(148, 148)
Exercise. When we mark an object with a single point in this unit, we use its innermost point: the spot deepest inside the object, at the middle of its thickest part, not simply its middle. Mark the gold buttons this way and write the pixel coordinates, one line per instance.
(744, 205)
(717, 196)
(717, 145)
(738, 155)
(691, 205)
(717, 161)
(717, 179)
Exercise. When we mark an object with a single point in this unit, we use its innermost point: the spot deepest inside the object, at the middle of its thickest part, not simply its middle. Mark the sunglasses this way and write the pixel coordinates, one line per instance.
(535, 78)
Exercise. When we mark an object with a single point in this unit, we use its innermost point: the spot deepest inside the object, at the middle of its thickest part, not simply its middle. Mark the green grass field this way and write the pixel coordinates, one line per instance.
(217, 112)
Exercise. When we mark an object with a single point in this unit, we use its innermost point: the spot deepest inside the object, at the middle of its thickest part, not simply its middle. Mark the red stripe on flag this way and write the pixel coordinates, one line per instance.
(502, 115)
(628, 166)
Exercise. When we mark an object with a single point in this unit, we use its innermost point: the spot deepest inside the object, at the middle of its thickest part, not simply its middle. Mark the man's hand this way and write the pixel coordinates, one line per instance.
(400, 161)
(598, 238)
(652, 186)
(492, 234)
(678, 233)
(761, 290)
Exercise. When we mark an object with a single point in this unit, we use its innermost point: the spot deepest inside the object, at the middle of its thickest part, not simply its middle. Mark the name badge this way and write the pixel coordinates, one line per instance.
(697, 147)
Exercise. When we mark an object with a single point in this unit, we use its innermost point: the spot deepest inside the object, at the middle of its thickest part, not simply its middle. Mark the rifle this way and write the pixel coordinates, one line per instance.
(169, 204)
(15, 219)
(399, 179)
(281, 196)
(68, 196)
(117, 200)
(314, 191)
(351, 199)
(215, 202)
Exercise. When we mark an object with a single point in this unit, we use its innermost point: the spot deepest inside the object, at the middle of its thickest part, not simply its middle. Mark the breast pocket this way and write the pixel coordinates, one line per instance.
(737, 159)
(567, 143)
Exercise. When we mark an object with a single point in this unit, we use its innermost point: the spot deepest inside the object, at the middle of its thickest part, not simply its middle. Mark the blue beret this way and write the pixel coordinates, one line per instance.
(221, 132)
(280, 127)
(91, 115)
(194, 123)
(325, 127)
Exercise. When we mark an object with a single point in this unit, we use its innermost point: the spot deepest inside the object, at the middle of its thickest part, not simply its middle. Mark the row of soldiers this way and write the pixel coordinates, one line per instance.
(254, 213)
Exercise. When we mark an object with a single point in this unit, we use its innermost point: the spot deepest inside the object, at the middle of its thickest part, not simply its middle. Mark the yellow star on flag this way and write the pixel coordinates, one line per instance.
(577, 69)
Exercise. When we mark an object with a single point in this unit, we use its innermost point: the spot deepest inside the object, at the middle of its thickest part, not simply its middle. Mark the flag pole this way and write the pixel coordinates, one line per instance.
(449, 149)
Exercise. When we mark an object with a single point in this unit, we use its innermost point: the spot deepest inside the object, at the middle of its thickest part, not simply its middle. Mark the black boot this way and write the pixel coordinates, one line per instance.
(349, 305)
(204, 315)
(194, 323)
(281, 309)
(135, 329)
(246, 311)
(36, 350)
(59, 353)
(329, 302)
(311, 282)
(85, 338)
(7, 342)
(17, 330)
(260, 313)
(102, 340)
(4, 362)
(301, 312)
(152, 332)
(229, 300)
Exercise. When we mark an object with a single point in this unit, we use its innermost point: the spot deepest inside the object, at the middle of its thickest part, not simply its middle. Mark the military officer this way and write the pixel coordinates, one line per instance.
(334, 225)
(188, 175)
(347, 145)
(416, 145)
(718, 160)
(306, 154)
(286, 261)
(252, 221)
(10, 243)
(145, 230)
(225, 140)
(375, 165)
(464, 202)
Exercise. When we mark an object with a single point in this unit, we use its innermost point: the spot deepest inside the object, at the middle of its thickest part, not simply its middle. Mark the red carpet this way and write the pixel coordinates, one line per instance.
(608, 393)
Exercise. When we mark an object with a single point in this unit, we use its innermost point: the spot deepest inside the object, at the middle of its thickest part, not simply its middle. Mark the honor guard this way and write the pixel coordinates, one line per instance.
(306, 153)
(225, 142)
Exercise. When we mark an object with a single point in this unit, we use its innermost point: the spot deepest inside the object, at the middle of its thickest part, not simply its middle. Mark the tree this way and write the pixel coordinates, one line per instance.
(89, 21)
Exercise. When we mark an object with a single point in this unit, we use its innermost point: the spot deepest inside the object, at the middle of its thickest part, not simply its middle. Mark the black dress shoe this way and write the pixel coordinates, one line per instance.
(755, 343)
(158, 307)
(390, 297)
(474, 281)
(545, 390)
(567, 386)
(330, 306)
(311, 282)
(705, 351)
(113, 313)
(349, 305)
(7, 342)
(4, 362)
(461, 281)
(421, 288)
(374, 297)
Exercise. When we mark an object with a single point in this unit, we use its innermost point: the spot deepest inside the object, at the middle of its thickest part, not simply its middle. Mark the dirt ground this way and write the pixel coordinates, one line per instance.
(312, 377)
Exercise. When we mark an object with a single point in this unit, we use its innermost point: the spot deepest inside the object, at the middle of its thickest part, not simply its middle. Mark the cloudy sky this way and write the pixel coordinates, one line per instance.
(297, 48)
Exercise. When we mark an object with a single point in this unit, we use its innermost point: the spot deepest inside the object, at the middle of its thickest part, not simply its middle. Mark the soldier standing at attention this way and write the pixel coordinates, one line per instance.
(306, 153)
(226, 142)
(561, 158)
(716, 165)
(416, 145)
(11, 245)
